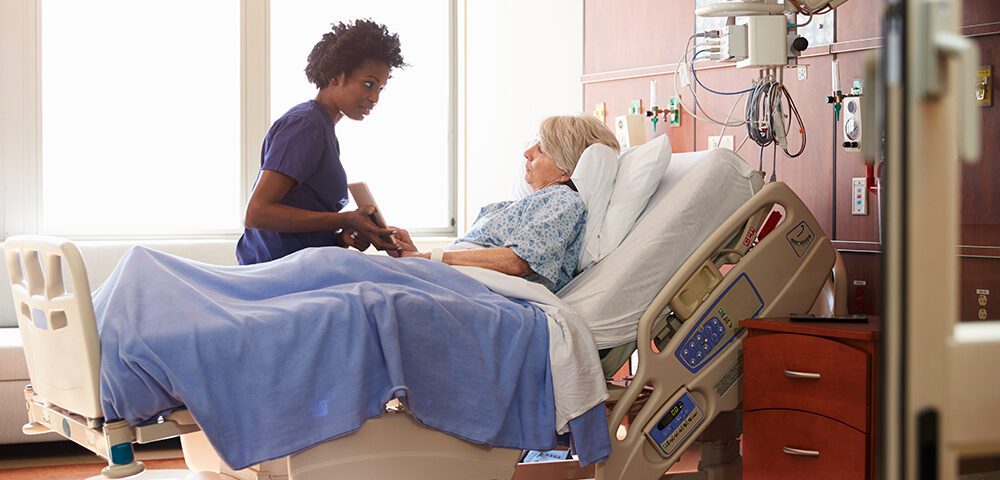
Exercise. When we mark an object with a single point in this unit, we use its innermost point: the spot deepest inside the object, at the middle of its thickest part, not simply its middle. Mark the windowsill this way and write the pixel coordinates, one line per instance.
(428, 243)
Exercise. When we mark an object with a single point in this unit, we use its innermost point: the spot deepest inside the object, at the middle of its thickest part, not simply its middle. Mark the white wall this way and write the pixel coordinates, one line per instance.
(522, 62)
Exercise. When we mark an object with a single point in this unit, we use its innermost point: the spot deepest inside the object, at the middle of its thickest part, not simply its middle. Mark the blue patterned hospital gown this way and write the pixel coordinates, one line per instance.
(545, 229)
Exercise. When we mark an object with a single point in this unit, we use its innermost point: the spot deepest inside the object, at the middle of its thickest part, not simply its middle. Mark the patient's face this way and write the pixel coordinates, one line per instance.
(540, 169)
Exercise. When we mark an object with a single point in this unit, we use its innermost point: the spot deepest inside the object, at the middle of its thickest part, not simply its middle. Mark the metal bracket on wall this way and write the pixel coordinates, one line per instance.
(984, 86)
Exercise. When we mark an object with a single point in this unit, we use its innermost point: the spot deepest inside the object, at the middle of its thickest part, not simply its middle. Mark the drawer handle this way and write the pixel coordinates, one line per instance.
(799, 452)
(805, 375)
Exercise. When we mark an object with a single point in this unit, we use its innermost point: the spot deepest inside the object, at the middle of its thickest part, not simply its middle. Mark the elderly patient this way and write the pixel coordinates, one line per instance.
(539, 236)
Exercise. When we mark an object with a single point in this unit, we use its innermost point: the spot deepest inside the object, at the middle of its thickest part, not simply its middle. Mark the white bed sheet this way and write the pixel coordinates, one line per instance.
(577, 377)
(698, 192)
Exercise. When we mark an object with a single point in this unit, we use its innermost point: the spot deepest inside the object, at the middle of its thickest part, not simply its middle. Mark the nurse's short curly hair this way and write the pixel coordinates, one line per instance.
(564, 138)
(347, 46)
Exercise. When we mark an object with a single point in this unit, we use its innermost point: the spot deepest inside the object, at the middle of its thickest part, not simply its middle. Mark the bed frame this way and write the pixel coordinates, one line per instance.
(739, 272)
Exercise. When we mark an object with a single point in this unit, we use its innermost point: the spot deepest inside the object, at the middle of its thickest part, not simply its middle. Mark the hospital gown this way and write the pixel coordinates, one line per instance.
(544, 228)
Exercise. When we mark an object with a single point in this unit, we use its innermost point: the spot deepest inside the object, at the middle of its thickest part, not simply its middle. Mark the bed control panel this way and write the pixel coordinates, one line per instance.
(674, 423)
(717, 327)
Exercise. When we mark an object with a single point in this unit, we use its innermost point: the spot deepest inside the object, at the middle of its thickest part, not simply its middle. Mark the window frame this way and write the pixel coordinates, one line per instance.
(21, 133)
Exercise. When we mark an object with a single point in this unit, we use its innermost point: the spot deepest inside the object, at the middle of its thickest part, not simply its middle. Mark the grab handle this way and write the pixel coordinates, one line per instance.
(801, 375)
(799, 452)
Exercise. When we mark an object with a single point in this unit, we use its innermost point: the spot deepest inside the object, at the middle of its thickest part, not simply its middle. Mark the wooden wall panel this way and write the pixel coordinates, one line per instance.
(811, 174)
(617, 96)
(979, 274)
(638, 33)
(978, 12)
(980, 197)
(864, 282)
(859, 20)
(850, 227)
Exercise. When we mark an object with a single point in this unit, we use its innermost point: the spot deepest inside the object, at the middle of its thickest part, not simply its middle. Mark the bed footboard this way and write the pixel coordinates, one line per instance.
(55, 317)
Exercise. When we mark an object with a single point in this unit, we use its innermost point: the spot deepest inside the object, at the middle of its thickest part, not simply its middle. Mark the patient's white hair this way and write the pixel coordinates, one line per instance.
(564, 138)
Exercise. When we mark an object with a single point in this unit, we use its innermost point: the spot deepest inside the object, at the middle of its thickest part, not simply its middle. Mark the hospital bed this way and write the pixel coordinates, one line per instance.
(744, 251)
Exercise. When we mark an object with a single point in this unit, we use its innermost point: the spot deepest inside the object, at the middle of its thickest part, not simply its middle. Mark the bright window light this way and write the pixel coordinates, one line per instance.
(402, 149)
(140, 117)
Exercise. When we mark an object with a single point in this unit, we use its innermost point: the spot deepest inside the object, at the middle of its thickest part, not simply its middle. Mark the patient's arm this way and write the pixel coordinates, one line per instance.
(501, 259)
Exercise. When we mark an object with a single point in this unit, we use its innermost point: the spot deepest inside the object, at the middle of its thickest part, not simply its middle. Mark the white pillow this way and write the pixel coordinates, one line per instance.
(639, 173)
(594, 177)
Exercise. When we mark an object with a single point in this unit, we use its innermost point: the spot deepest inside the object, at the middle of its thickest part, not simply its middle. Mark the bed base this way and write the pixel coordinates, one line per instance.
(786, 270)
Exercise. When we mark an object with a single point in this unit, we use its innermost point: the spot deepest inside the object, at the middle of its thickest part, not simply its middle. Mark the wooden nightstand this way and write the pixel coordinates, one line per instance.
(809, 399)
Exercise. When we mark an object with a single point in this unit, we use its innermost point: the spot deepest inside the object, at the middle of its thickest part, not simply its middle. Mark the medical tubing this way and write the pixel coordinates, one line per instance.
(731, 110)
(704, 109)
(780, 92)
(682, 62)
(774, 164)
(696, 79)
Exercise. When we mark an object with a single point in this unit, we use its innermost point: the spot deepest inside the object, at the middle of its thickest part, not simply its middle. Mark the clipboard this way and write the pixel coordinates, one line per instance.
(363, 196)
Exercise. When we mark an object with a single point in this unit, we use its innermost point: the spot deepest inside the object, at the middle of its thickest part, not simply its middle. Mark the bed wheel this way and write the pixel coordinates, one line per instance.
(122, 471)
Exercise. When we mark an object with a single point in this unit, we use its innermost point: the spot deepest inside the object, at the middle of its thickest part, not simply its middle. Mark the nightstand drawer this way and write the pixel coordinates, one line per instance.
(803, 372)
(785, 444)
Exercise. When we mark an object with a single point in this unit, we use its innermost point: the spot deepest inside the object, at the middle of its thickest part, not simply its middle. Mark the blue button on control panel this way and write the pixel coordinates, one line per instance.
(717, 327)
(706, 337)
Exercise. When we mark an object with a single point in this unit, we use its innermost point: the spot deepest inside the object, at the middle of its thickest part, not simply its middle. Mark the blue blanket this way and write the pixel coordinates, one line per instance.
(273, 358)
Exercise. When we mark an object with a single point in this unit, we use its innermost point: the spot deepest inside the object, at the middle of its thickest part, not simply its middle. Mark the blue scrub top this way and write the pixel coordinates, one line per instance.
(303, 145)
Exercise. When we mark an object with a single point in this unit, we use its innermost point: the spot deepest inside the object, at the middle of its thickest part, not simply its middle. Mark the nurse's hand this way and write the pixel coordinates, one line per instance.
(350, 238)
(361, 223)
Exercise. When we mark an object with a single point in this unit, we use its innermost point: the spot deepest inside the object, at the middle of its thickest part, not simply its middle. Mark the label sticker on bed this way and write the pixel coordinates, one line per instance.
(801, 237)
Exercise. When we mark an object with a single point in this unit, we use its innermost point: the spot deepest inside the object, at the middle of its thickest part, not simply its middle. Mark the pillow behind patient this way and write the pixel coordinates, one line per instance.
(639, 172)
(594, 177)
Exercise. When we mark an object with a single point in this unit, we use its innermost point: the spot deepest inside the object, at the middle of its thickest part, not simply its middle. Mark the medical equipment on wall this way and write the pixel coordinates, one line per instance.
(850, 103)
(768, 40)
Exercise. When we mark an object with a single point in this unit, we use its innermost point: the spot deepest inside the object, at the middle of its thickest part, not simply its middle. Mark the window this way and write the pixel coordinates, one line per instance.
(403, 150)
(140, 117)
(124, 118)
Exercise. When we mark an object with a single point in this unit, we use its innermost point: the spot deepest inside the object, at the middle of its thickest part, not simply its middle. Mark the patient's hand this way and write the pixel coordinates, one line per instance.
(403, 241)
(426, 255)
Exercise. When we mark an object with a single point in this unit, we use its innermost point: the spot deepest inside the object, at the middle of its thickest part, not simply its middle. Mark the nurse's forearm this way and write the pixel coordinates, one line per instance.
(503, 260)
(279, 217)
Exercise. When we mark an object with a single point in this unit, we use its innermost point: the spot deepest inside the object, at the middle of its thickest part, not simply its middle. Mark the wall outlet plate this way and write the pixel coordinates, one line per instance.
(859, 196)
(716, 141)
(803, 71)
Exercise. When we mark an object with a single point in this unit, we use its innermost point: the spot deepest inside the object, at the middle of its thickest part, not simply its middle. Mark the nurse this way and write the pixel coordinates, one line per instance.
(302, 187)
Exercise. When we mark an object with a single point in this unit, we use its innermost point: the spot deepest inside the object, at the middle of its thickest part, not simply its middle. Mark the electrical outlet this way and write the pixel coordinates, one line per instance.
(725, 141)
(859, 196)
(803, 72)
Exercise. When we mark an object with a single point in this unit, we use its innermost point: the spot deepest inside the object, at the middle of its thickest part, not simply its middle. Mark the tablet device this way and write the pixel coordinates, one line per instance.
(363, 196)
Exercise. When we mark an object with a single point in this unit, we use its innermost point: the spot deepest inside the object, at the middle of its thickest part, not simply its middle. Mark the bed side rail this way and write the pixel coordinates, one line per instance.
(55, 317)
(779, 274)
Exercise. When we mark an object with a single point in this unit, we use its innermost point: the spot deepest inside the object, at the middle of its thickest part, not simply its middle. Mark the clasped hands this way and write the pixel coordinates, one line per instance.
(361, 232)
